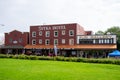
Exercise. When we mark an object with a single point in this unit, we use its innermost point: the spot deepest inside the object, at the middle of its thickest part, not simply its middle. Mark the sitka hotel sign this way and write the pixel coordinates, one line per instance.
(51, 27)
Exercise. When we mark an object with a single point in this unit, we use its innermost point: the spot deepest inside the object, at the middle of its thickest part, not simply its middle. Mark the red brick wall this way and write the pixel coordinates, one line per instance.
(88, 32)
(52, 28)
(16, 38)
(80, 30)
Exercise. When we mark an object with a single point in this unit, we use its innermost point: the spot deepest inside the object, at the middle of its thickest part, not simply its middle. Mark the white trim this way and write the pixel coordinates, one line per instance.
(40, 33)
(63, 32)
(63, 41)
(55, 35)
(55, 41)
(33, 41)
(71, 41)
(40, 41)
(33, 34)
(46, 41)
(47, 34)
(70, 32)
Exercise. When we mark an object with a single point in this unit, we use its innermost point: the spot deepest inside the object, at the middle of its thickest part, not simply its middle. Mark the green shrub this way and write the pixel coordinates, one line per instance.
(45, 58)
(32, 57)
(3, 56)
(10, 56)
(21, 57)
(59, 58)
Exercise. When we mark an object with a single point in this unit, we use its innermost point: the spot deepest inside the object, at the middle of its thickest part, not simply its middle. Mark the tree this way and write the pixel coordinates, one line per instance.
(115, 30)
(99, 32)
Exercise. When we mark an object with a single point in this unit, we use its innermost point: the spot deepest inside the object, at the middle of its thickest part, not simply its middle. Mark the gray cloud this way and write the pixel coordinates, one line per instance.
(91, 14)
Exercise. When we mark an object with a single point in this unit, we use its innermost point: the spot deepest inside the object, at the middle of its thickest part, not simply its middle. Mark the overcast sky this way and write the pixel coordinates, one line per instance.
(91, 14)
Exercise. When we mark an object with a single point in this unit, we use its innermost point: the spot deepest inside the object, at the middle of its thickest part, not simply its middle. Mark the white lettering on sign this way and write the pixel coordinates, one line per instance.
(58, 27)
(44, 28)
(51, 28)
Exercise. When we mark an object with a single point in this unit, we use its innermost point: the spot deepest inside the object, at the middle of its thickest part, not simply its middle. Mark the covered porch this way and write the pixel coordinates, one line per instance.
(86, 51)
(13, 49)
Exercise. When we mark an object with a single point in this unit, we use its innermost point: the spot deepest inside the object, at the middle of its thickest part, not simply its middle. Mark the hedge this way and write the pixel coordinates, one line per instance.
(59, 58)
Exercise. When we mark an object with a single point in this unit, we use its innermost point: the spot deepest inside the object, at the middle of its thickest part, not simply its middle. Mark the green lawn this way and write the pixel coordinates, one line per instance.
(16, 69)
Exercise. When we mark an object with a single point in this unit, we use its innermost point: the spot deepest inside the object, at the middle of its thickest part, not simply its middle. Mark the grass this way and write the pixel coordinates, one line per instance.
(16, 69)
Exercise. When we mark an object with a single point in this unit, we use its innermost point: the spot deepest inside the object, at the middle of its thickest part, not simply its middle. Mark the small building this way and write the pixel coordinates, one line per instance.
(15, 42)
(96, 45)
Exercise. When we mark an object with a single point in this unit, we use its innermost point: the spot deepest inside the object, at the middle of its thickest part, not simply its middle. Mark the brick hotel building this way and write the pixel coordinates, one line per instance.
(70, 40)
(15, 42)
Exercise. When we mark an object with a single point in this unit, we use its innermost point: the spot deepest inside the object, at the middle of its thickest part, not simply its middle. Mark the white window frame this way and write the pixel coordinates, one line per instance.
(63, 41)
(40, 33)
(33, 40)
(33, 34)
(63, 32)
(108, 41)
(55, 41)
(48, 42)
(55, 34)
(70, 32)
(47, 33)
(40, 41)
(70, 41)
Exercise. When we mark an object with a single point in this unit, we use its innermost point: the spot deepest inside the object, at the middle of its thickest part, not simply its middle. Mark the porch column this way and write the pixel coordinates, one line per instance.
(78, 53)
(86, 54)
(16, 51)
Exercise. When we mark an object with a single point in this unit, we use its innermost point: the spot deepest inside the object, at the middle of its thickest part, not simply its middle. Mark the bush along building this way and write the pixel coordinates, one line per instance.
(62, 39)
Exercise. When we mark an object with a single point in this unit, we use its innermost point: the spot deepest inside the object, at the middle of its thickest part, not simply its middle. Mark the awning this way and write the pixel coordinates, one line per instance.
(72, 46)
(12, 47)
(114, 53)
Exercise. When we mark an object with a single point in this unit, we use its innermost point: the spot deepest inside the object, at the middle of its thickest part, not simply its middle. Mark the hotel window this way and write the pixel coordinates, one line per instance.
(34, 34)
(33, 42)
(55, 33)
(71, 32)
(97, 41)
(20, 40)
(93, 41)
(63, 32)
(107, 41)
(63, 41)
(102, 41)
(47, 33)
(10, 40)
(47, 42)
(111, 40)
(71, 41)
(55, 41)
(40, 41)
(15, 35)
(40, 33)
